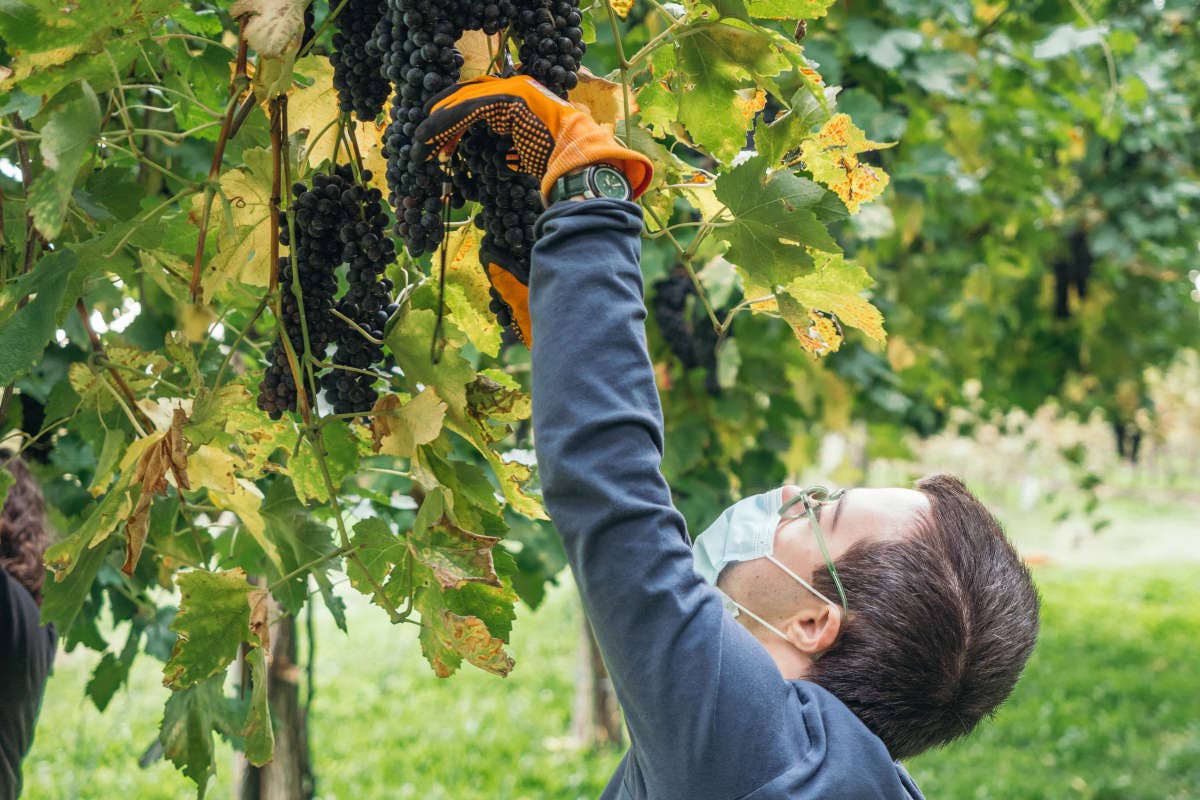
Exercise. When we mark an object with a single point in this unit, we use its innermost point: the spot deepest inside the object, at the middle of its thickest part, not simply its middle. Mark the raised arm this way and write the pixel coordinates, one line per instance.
(684, 670)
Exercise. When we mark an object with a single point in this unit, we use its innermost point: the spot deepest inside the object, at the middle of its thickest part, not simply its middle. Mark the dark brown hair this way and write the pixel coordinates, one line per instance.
(23, 537)
(941, 624)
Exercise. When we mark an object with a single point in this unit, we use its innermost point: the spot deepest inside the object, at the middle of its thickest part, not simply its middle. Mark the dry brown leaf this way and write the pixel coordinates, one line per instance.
(260, 609)
(168, 452)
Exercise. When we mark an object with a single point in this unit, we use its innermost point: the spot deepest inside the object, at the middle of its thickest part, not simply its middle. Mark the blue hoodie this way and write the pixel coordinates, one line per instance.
(709, 715)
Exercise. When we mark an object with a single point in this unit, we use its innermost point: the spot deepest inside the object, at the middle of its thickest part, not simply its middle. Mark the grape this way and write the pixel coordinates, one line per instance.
(691, 339)
(551, 41)
(358, 73)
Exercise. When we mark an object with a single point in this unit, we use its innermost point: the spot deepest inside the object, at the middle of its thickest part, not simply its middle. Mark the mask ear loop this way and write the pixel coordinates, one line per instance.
(811, 498)
(756, 617)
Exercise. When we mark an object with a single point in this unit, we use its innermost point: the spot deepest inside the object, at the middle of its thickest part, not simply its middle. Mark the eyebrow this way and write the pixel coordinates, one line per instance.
(837, 512)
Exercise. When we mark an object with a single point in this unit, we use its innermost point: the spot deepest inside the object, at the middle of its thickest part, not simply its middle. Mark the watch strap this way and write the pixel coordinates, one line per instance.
(572, 184)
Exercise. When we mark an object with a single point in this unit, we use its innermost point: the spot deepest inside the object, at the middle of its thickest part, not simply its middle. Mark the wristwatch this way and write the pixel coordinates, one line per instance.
(595, 180)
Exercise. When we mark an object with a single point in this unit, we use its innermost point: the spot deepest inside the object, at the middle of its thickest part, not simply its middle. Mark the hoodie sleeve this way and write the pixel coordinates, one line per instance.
(682, 667)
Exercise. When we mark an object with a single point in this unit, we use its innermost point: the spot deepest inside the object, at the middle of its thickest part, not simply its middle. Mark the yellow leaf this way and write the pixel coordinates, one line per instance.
(398, 429)
(748, 102)
(467, 295)
(313, 110)
(604, 99)
(241, 217)
(272, 24)
(833, 288)
(217, 471)
(832, 158)
(470, 638)
(621, 7)
(194, 321)
(478, 49)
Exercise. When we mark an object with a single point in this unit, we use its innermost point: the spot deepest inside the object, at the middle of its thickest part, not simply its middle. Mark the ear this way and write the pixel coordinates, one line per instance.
(815, 628)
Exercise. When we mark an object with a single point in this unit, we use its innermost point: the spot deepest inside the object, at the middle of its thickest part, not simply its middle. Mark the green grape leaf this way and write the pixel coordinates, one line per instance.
(67, 140)
(43, 41)
(301, 540)
(494, 605)
(258, 733)
(409, 342)
(448, 638)
(716, 62)
(63, 598)
(24, 334)
(257, 437)
(341, 459)
(113, 670)
(213, 619)
(786, 132)
(771, 220)
(378, 549)
(189, 718)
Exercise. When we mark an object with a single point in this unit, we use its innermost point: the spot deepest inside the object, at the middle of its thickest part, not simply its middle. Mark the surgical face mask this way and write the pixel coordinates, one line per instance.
(746, 531)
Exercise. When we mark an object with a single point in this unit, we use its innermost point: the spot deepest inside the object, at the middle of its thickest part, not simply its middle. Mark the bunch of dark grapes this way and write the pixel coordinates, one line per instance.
(551, 41)
(367, 251)
(421, 62)
(314, 254)
(689, 336)
(358, 73)
(334, 210)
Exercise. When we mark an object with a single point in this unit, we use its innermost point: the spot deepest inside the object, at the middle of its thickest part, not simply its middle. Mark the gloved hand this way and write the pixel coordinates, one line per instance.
(510, 291)
(551, 137)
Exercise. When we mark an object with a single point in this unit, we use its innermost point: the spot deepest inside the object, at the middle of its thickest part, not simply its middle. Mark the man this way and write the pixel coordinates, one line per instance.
(897, 630)
(26, 647)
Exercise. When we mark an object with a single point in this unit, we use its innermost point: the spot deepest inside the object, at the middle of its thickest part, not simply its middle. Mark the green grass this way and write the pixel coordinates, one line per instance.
(1107, 710)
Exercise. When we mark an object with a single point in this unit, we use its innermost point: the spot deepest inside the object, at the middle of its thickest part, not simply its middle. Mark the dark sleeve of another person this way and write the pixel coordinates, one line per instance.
(26, 654)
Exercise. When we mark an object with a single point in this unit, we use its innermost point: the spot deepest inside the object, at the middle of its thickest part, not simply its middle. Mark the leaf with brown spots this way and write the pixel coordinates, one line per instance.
(454, 556)
(447, 638)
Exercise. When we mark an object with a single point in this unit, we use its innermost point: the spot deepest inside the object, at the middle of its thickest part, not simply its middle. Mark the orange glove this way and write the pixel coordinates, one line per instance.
(510, 292)
(551, 136)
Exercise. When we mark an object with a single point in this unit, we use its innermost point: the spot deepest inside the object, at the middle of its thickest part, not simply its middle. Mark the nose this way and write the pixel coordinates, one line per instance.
(790, 493)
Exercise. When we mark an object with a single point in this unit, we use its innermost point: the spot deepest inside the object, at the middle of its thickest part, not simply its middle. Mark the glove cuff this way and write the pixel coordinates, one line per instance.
(580, 142)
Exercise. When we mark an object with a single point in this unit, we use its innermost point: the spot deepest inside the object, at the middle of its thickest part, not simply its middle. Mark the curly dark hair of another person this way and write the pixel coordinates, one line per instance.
(23, 535)
(941, 624)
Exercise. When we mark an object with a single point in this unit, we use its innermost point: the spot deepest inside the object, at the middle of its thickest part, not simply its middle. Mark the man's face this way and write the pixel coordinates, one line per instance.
(860, 515)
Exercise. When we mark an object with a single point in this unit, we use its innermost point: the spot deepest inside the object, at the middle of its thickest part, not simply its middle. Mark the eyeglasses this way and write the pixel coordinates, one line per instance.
(813, 498)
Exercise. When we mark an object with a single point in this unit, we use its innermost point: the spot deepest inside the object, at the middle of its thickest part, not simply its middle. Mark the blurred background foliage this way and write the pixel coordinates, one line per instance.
(1037, 243)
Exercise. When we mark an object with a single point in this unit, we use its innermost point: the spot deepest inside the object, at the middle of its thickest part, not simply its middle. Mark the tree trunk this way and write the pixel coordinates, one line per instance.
(596, 718)
(288, 776)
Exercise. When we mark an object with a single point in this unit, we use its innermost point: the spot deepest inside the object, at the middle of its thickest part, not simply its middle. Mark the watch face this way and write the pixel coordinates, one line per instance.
(611, 183)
